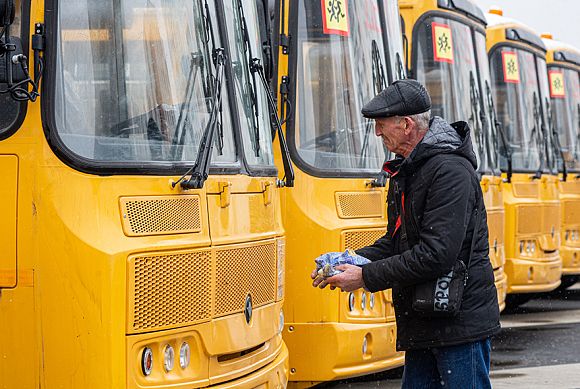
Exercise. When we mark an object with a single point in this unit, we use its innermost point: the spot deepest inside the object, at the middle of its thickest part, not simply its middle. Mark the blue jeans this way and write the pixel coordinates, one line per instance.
(465, 366)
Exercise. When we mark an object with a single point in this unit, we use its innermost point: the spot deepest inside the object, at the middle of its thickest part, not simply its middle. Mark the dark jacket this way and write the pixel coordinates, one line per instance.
(437, 192)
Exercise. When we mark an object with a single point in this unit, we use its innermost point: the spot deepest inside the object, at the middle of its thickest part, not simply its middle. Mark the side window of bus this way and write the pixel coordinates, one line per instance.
(9, 108)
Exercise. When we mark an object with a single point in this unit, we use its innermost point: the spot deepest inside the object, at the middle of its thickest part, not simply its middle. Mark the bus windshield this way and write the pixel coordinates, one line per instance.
(565, 101)
(134, 81)
(518, 101)
(340, 66)
(446, 64)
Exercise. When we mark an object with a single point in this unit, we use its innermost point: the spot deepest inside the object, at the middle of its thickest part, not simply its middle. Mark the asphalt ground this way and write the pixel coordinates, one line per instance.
(539, 347)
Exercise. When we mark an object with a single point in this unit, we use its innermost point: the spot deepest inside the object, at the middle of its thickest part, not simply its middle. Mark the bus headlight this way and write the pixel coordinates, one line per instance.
(281, 255)
(168, 357)
(147, 361)
(363, 301)
(372, 301)
(521, 247)
(184, 355)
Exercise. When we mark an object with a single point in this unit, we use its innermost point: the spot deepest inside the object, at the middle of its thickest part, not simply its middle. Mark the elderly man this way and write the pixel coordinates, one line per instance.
(436, 217)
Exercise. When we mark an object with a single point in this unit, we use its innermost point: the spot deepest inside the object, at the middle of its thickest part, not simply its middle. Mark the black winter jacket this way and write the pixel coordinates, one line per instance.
(437, 192)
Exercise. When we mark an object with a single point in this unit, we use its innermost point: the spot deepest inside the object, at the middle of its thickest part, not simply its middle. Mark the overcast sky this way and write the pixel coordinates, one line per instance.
(561, 18)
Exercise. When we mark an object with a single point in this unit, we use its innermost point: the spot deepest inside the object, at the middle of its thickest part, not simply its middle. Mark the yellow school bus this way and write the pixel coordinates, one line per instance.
(532, 230)
(563, 73)
(446, 52)
(339, 56)
(141, 231)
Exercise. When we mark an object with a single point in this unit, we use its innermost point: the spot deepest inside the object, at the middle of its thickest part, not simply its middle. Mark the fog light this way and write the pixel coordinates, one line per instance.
(372, 301)
(363, 301)
(351, 301)
(168, 356)
(184, 355)
(281, 324)
(147, 361)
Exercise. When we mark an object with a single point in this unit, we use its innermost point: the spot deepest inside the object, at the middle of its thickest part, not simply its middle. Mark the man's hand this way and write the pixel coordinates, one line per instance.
(349, 280)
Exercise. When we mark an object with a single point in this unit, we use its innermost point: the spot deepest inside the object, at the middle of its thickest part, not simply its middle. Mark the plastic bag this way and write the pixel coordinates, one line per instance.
(326, 263)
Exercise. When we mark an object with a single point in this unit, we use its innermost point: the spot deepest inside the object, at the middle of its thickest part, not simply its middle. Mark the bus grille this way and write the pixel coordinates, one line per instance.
(160, 215)
(571, 212)
(352, 205)
(244, 270)
(170, 289)
(360, 238)
(529, 219)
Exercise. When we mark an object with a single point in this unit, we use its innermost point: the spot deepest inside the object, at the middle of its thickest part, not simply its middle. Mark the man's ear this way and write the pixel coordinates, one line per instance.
(408, 125)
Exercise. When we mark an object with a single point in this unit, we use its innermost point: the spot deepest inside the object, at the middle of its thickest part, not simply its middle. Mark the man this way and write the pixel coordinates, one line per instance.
(436, 216)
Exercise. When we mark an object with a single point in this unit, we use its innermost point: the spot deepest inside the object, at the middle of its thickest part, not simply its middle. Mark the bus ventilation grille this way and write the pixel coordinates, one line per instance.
(169, 289)
(352, 205)
(160, 215)
(244, 270)
(570, 211)
(360, 238)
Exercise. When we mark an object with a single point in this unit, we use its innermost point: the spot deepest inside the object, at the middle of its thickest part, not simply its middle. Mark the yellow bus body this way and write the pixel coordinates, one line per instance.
(570, 188)
(412, 11)
(325, 339)
(94, 273)
(532, 210)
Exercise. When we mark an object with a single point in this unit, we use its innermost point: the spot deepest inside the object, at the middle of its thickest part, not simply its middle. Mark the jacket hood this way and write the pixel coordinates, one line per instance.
(443, 137)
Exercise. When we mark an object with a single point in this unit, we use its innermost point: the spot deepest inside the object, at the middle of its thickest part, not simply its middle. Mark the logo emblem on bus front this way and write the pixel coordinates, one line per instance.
(248, 309)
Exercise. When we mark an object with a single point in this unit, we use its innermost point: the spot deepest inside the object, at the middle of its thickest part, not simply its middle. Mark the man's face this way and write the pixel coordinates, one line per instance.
(392, 132)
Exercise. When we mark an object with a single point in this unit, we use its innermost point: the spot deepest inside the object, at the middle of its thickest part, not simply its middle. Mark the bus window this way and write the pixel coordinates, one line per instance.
(134, 82)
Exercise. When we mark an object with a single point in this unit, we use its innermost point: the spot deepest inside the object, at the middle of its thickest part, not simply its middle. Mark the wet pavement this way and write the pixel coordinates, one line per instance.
(539, 347)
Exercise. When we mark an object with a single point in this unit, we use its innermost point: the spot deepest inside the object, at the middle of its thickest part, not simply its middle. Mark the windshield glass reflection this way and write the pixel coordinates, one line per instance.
(565, 101)
(446, 64)
(133, 80)
(517, 99)
(341, 66)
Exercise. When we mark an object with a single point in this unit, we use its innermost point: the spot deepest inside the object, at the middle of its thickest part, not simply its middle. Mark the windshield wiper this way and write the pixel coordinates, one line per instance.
(288, 179)
(500, 133)
(536, 134)
(557, 143)
(200, 171)
(379, 83)
(477, 115)
(196, 64)
(251, 93)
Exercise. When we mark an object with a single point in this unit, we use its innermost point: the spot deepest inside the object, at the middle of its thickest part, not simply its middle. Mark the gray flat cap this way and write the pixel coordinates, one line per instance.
(401, 98)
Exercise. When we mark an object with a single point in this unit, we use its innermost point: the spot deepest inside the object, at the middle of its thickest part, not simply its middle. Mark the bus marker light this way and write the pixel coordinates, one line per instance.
(351, 301)
(147, 361)
(168, 357)
(184, 355)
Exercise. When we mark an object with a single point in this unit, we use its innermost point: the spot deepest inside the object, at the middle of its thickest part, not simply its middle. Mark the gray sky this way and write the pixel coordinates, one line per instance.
(559, 17)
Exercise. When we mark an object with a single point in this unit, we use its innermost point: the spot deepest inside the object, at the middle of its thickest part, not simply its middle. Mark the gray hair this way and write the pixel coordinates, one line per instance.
(422, 120)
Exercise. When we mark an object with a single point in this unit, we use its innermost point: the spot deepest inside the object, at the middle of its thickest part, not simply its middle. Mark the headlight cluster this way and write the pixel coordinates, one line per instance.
(527, 247)
(572, 235)
(363, 301)
(168, 358)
